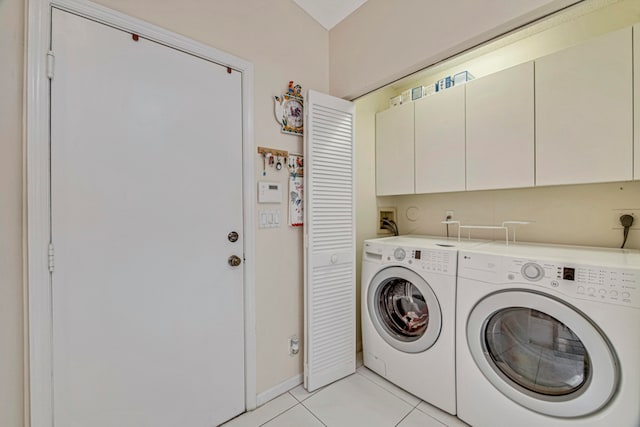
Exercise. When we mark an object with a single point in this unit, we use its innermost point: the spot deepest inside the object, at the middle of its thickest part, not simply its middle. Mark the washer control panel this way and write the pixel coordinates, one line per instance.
(611, 285)
(437, 261)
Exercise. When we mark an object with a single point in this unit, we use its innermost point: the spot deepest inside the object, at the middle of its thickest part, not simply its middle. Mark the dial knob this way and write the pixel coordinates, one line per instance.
(532, 271)
(399, 254)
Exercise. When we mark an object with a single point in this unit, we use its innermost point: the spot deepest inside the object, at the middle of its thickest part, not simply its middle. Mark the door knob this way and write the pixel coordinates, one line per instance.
(233, 236)
(234, 261)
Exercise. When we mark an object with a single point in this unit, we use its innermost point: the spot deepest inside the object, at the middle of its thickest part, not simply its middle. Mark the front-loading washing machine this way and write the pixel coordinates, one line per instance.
(548, 336)
(408, 314)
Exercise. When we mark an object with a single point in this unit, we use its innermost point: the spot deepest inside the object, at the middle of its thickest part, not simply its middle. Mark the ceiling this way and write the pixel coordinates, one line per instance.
(329, 12)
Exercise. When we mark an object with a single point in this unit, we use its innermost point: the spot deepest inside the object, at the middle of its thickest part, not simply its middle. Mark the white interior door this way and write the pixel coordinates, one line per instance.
(146, 163)
(330, 291)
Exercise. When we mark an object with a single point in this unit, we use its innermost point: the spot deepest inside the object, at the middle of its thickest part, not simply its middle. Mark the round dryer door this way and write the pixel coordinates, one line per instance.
(542, 353)
(404, 309)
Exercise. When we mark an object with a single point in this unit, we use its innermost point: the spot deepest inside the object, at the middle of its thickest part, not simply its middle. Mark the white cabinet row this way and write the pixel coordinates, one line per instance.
(566, 118)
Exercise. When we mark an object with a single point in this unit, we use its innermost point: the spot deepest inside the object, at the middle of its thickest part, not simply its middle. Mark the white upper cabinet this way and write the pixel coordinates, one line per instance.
(394, 151)
(440, 142)
(500, 129)
(636, 86)
(584, 123)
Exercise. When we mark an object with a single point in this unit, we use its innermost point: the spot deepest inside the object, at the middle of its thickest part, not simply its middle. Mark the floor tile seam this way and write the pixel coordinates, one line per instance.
(403, 418)
(292, 395)
(312, 413)
(317, 392)
(280, 413)
(435, 418)
(439, 421)
(388, 391)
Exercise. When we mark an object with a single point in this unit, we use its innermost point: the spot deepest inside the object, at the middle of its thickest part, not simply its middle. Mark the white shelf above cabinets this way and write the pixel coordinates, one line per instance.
(500, 130)
(440, 142)
(584, 124)
(394, 151)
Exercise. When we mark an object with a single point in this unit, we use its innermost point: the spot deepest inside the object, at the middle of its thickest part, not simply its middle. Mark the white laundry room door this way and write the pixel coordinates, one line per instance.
(146, 192)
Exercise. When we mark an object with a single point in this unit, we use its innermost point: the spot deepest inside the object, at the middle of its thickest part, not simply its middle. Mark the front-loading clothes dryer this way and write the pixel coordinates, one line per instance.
(408, 314)
(548, 336)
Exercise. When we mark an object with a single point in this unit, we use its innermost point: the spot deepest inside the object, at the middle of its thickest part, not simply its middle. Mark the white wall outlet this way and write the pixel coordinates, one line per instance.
(448, 215)
(617, 213)
(294, 345)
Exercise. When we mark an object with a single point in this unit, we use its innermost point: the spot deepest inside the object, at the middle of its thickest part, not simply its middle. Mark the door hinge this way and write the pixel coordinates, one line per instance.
(50, 257)
(50, 64)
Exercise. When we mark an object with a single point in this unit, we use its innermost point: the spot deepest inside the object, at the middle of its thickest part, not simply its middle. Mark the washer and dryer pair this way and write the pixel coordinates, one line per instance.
(529, 335)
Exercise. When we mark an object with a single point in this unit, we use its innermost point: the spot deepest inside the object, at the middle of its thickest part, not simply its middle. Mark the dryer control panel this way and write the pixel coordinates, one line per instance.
(610, 285)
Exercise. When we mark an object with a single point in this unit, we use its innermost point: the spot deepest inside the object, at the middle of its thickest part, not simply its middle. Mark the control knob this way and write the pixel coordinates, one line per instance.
(532, 271)
(399, 254)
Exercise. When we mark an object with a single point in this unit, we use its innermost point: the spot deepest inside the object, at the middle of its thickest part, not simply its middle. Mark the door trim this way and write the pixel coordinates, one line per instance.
(39, 369)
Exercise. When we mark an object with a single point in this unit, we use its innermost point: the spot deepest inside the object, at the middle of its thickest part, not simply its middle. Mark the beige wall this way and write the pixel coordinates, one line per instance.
(381, 42)
(11, 326)
(571, 214)
(366, 206)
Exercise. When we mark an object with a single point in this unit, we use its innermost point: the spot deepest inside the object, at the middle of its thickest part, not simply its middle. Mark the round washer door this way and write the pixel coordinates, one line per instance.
(542, 353)
(404, 309)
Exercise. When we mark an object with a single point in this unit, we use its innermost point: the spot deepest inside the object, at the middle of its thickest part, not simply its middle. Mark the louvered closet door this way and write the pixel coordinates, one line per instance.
(330, 310)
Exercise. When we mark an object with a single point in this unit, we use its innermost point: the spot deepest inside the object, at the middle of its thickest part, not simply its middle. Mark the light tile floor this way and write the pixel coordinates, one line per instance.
(361, 399)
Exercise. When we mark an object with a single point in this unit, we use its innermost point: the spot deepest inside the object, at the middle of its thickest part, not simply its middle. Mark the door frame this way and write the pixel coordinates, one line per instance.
(37, 189)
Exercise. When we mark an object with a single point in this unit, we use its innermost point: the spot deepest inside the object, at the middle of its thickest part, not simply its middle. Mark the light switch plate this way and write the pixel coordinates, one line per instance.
(268, 218)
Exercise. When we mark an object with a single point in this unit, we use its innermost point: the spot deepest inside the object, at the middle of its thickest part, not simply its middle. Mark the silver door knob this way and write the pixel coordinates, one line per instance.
(233, 236)
(234, 261)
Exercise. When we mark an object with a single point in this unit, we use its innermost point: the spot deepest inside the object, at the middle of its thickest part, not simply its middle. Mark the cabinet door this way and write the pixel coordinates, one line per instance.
(636, 97)
(584, 112)
(440, 140)
(394, 151)
(500, 130)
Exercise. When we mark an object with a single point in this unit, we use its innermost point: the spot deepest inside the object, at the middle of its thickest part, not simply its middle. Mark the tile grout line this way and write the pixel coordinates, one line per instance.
(391, 393)
(280, 413)
(403, 418)
(314, 415)
(291, 394)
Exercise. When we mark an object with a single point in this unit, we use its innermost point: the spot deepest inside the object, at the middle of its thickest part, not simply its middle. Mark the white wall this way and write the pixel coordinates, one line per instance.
(384, 40)
(11, 312)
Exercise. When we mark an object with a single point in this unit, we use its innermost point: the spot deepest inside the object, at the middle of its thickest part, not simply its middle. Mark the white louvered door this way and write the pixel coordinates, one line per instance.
(330, 308)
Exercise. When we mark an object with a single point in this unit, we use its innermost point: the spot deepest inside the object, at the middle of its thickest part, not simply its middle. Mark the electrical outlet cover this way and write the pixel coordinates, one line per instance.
(617, 213)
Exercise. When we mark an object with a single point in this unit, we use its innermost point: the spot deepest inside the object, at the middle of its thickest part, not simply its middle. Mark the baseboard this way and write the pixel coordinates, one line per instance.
(278, 389)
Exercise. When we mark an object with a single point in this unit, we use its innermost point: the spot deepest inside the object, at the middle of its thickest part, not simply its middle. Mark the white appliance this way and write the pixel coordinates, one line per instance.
(548, 336)
(408, 314)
